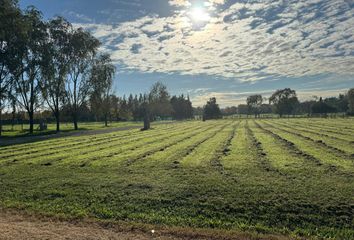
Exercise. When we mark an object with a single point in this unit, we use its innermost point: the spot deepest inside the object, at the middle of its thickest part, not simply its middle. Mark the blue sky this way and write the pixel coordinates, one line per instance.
(223, 48)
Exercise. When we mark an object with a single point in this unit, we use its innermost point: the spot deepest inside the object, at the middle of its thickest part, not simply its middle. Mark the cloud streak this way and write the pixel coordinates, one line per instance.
(248, 41)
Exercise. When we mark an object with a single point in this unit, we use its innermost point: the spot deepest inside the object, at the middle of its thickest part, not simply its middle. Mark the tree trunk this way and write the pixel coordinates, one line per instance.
(30, 114)
(57, 118)
(0, 120)
(75, 121)
(146, 123)
(105, 120)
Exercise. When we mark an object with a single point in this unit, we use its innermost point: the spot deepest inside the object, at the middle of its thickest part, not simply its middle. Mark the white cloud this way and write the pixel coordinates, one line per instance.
(248, 41)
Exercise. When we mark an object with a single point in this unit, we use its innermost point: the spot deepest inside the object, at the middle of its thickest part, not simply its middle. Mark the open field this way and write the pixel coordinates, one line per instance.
(19, 130)
(293, 177)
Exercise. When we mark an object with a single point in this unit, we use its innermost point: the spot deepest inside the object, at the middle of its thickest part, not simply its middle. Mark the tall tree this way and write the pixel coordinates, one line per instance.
(182, 107)
(27, 73)
(254, 103)
(56, 65)
(12, 31)
(84, 47)
(284, 100)
(159, 101)
(211, 110)
(101, 80)
(351, 101)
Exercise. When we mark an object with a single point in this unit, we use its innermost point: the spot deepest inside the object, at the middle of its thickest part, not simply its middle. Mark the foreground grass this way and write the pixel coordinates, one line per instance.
(262, 176)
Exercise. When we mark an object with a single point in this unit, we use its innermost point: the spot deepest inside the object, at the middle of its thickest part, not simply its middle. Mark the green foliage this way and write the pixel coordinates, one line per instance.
(284, 101)
(211, 110)
(101, 81)
(351, 101)
(254, 103)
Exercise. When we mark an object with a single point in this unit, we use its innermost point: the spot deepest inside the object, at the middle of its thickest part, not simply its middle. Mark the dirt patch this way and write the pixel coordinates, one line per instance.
(14, 225)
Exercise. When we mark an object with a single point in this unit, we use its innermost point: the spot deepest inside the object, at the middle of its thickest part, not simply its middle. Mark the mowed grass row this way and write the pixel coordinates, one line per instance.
(74, 147)
(330, 129)
(325, 154)
(346, 143)
(19, 130)
(254, 175)
(60, 142)
(329, 126)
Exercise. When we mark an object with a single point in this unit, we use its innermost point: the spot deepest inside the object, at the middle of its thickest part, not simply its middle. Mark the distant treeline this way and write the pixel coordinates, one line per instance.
(286, 102)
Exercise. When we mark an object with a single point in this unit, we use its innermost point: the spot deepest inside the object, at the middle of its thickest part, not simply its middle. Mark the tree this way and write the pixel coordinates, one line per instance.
(322, 107)
(284, 101)
(211, 110)
(229, 111)
(351, 101)
(83, 49)
(101, 81)
(254, 103)
(243, 109)
(306, 107)
(56, 65)
(11, 33)
(159, 101)
(146, 113)
(181, 107)
(27, 72)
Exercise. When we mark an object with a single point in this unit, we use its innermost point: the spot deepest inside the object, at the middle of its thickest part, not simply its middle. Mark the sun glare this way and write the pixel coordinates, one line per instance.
(199, 15)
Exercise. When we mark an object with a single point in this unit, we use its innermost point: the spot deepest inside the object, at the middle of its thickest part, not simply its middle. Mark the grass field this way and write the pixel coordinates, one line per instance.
(19, 131)
(286, 176)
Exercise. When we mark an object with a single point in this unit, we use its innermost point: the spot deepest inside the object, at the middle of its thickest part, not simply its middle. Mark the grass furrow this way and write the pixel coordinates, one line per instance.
(93, 146)
(213, 145)
(337, 144)
(132, 155)
(52, 144)
(312, 148)
(334, 150)
(263, 160)
(112, 149)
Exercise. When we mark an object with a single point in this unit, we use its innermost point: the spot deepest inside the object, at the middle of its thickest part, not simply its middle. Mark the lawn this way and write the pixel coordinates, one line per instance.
(19, 130)
(278, 176)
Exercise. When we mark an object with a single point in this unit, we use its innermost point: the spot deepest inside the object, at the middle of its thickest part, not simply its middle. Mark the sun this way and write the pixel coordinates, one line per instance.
(199, 14)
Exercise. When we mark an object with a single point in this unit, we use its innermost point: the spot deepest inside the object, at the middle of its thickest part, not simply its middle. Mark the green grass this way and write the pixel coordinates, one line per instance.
(282, 176)
(20, 131)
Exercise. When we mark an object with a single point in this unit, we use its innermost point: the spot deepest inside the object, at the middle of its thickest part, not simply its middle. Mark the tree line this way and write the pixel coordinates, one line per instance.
(53, 65)
(285, 102)
(49, 63)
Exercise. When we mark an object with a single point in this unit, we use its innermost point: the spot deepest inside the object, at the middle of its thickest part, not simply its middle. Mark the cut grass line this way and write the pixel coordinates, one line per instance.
(320, 143)
(319, 131)
(216, 161)
(263, 160)
(194, 156)
(292, 148)
(104, 151)
(95, 145)
(171, 157)
(343, 130)
(343, 146)
(32, 148)
(164, 147)
(310, 147)
(156, 145)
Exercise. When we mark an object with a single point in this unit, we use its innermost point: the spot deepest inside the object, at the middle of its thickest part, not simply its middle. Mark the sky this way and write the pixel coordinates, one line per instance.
(228, 49)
